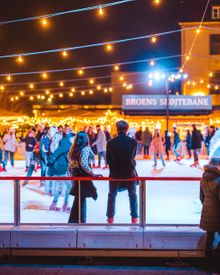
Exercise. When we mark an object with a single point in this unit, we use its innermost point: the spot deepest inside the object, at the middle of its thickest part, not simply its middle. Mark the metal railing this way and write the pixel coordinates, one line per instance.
(142, 197)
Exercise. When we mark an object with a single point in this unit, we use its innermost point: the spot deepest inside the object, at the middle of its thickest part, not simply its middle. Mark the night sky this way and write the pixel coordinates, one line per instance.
(132, 19)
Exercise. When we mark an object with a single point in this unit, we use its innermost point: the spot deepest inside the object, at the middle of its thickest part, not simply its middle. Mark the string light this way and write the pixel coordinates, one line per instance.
(216, 87)
(70, 94)
(49, 99)
(201, 81)
(12, 99)
(153, 39)
(2, 88)
(91, 92)
(105, 90)
(60, 95)
(20, 59)
(157, 2)
(101, 12)
(152, 62)
(211, 74)
(73, 90)
(121, 78)
(91, 81)
(99, 87)
(42, 97)
(31, 98)
(83, 93)
(80, 72)
(61, 84)
(208, 86)
(109, 47)
(116, 68)
(21, 93)
(47, 92)
(44, 22)
(198, 30)
(44, 75)
(187, 57)
(8, 78)
(110, 89)
(31, 86)
(64, 53)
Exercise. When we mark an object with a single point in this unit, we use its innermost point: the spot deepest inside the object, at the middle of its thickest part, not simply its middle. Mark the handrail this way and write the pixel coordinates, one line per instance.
(155, 178)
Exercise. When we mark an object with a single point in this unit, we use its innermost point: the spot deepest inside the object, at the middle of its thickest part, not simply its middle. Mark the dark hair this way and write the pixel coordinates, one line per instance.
(80, 142)
(122, 126)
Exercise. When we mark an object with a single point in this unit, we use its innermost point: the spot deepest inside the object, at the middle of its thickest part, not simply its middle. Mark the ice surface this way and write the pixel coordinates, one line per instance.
(168, 202)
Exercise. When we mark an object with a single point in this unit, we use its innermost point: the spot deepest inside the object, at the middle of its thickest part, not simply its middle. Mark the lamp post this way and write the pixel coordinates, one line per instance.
(167, 104)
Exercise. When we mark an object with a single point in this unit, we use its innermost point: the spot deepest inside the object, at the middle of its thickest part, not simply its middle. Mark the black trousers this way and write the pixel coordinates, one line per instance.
(74, 214)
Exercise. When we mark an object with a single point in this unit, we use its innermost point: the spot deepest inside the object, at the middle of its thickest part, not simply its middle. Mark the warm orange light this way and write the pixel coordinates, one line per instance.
(201, 81)
(198, 30)
(187, 57)
(80, 72)
(121, 78)
(70, 94)
(21, 93)
(116, 68)
(211, 74)
(110, 89)
(101, 12)
(99, 87)
(157, 2)
(109, 47)
(2, 88)
(153, 39)
(208, 86)
(8, 77)
(216, 87)
(31, 98)
(64, 53)
(45, 75)
(82, 93)
(91, 81)
(105, 90)
(47, 92)
(44, 22)
(20, 59)
(61, 84)
(91, 92)
(60, 95)
(31, 86)
(73, 90)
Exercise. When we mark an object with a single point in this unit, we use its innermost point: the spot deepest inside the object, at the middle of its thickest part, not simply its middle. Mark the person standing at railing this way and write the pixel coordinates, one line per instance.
(157, 147)
(80, 160)
(210, 198)
(121, 152)
(57, 163)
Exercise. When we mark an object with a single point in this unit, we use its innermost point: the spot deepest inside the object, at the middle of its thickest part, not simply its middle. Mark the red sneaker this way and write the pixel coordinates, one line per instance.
(110, 220)
(98, 166)
(93, 166)
(134, 220)
(105, 167)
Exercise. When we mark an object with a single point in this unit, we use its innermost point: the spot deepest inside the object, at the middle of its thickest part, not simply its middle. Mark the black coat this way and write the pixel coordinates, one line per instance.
(196, 140)
(121, 152)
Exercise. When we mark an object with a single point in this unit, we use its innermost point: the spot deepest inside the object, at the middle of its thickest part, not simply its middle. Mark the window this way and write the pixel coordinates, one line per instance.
(215, 44)
(216, 12)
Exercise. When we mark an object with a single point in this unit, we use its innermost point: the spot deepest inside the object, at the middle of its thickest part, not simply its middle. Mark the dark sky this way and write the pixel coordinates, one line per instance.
(127, 20)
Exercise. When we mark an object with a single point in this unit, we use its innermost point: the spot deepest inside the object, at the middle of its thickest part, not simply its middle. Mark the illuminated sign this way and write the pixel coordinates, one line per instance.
(159, 102)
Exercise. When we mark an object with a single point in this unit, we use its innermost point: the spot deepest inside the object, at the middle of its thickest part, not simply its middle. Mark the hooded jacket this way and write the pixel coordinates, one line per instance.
(210, 198)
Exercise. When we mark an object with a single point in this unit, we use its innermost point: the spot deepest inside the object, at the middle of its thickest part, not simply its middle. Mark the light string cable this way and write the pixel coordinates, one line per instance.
(120, 41)
(65, 12)
(197, 33)
(92, 67)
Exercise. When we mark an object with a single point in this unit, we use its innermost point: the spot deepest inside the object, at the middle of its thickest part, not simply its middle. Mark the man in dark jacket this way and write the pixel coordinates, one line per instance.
(196, 144)
(121, 152)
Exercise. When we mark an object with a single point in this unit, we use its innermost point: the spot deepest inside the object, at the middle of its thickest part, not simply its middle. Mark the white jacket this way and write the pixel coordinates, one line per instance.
(101, 142)
(10, 142)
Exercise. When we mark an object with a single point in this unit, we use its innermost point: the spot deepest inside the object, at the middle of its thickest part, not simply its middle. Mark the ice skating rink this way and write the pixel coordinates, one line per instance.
(168, 202)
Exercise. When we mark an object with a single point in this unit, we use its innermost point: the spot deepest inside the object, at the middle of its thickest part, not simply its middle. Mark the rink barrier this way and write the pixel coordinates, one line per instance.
(142, 198)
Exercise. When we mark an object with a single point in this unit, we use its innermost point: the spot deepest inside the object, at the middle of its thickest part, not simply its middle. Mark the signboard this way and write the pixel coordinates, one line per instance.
(159, 103)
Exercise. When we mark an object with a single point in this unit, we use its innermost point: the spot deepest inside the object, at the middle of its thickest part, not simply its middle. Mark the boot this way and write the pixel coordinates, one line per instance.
(53, 206)
(134, 220)
(110, 220)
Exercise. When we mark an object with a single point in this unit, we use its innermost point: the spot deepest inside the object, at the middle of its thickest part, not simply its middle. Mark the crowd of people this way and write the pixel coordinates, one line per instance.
(59, 152)
(171, 142)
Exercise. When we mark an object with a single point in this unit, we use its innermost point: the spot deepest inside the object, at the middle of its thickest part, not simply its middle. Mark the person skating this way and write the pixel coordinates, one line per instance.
(167, 143)
(188, 142)
(101, 146)
(196, 144)
(146, 142)
(157, 147)
(121, 152)
(30, 142)
(10, 144)
(138, 137)
(176, 144)
(92, 138)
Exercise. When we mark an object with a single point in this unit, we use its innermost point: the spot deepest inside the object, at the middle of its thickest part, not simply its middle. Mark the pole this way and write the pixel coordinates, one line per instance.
(167, 105)
(17, 203)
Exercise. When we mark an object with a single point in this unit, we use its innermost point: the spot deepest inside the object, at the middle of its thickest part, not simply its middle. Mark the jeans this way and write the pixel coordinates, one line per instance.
(1, 155)
(195, 155)
(58, 188)
(161, 157)
(189, 151)
(43, 164)
(139, 148)
(113, 190)
(6, 153)
(28, 157)
(146, 149)
(175, 149)
(100, 155)
(74, 214)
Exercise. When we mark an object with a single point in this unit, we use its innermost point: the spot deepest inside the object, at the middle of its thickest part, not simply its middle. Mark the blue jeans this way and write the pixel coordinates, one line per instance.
(100, 155)
(161, 157)
(43, 164)
(6, 153)
(175, 149)
(139, 148)
(113, 190)
(59, 186)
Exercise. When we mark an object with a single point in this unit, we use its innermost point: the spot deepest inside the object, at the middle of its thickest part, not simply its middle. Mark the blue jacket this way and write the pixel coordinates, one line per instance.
(58, 161)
